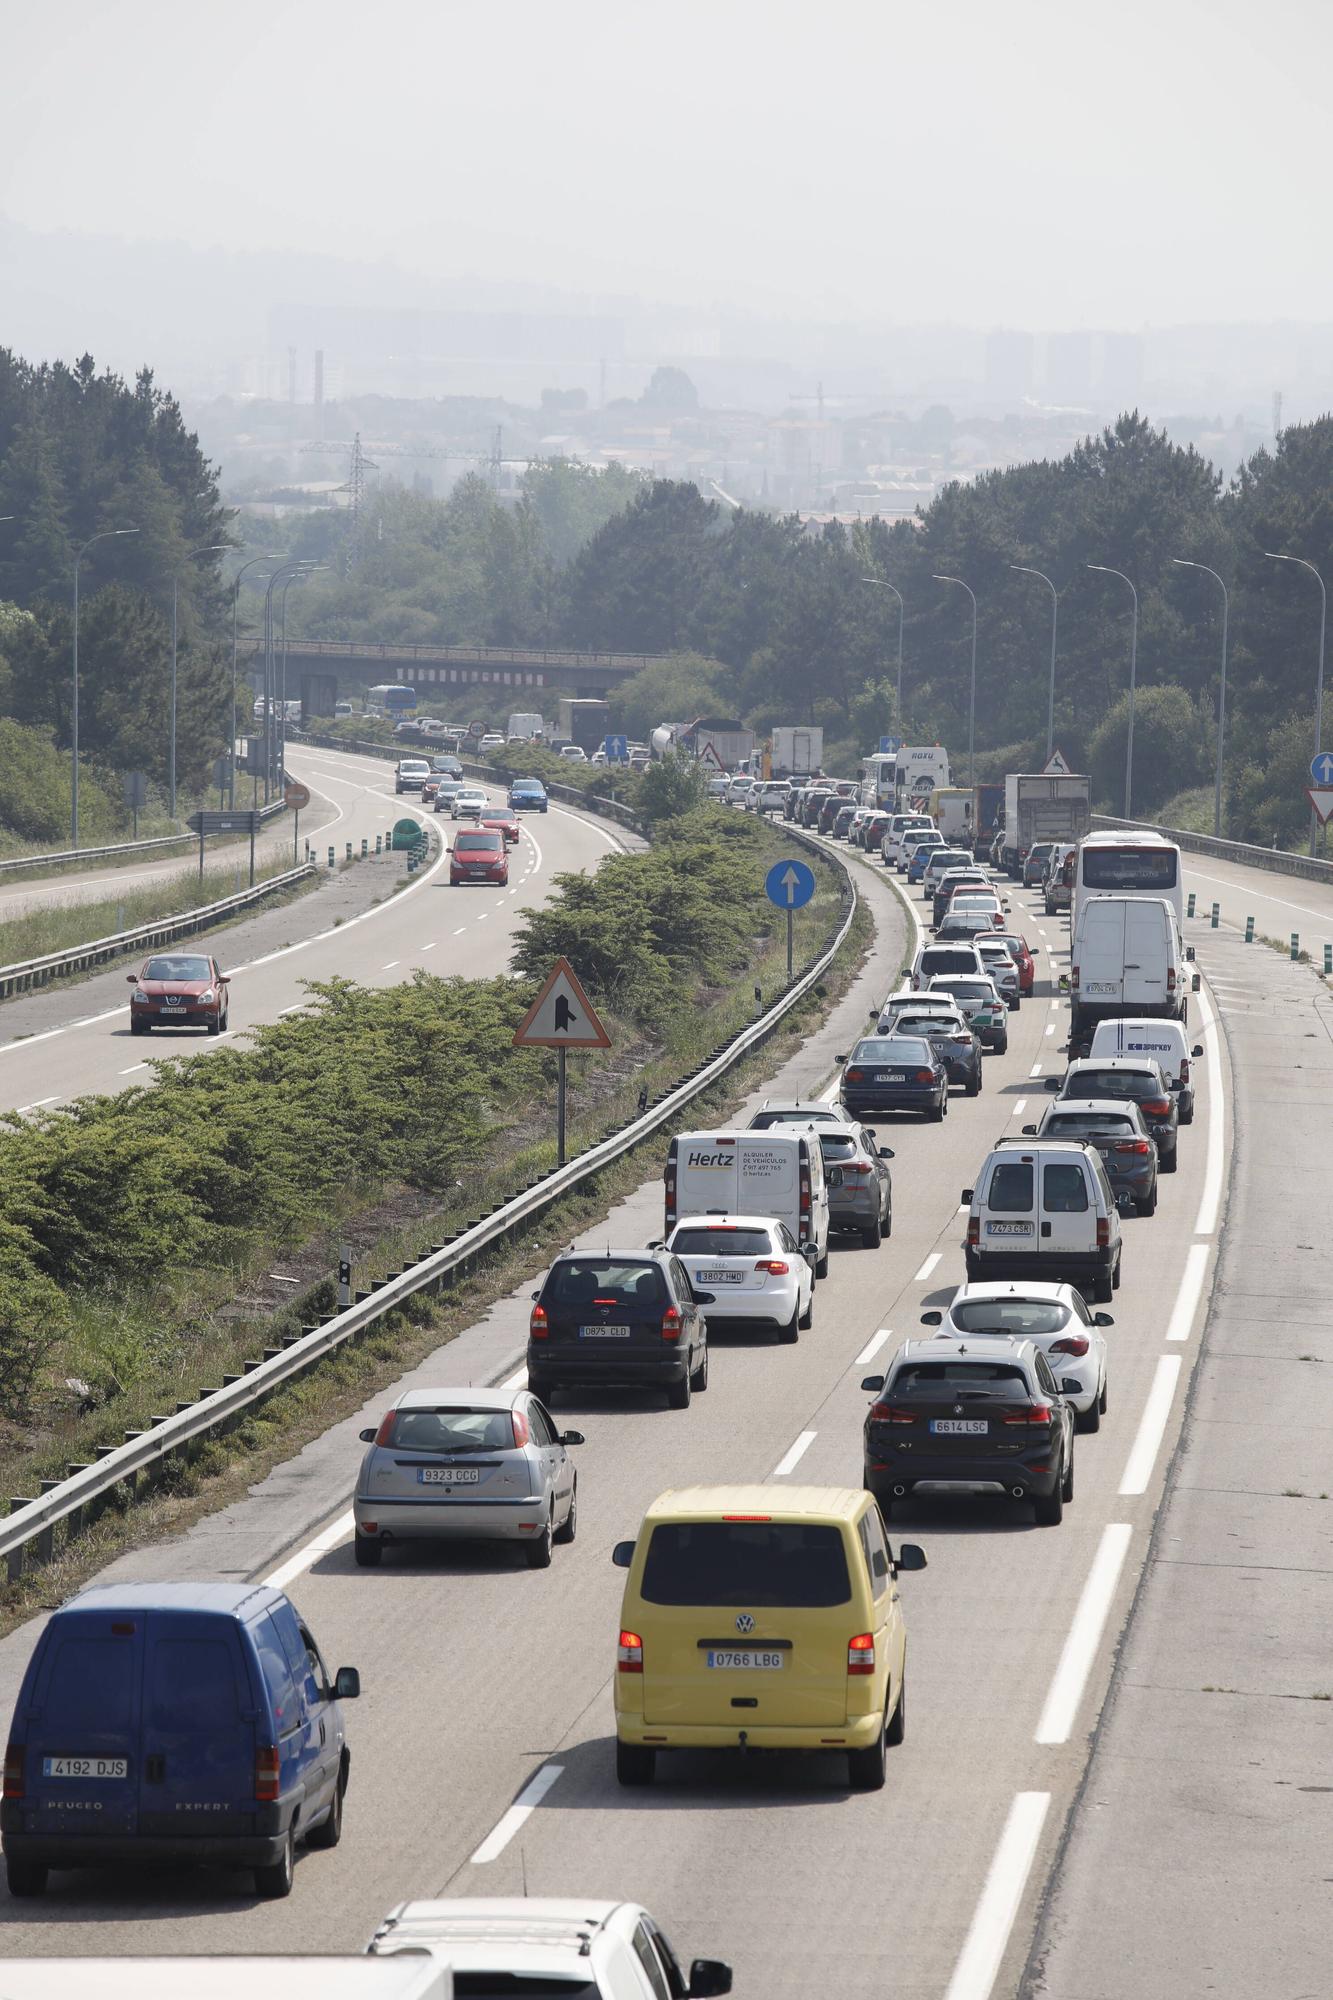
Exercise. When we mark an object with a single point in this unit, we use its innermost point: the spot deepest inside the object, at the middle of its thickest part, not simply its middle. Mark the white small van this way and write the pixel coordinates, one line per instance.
(1043, 1208)
(1127, 958)
(1165, 1042)
(777, 1173)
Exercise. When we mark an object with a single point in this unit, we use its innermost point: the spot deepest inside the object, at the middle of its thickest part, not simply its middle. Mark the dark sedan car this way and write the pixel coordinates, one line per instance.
(813, 804)
(1140, 1080)
(828, 812)
(1034, 863)
(842, 820)
(178, 990)
(860, 1184)
(953, 1041)
(1120, 1134)
(619, 1319)
(894, 1073)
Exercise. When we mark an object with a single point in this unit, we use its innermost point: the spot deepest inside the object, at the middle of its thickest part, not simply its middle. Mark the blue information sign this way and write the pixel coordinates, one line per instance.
(1321, 769)
(789, 884)
(616, 748)
(889, 746)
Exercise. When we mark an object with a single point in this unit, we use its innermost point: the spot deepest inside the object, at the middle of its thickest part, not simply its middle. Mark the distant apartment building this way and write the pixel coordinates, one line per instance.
(1068, 372)
(1009, 365)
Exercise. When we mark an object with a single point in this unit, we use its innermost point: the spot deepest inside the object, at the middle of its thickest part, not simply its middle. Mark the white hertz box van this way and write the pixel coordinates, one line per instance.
(779, 1173)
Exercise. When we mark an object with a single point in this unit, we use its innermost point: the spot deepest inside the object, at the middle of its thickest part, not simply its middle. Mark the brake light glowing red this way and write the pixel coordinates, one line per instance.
(671, 1323)
(861, 1654)
(266, 1774)
(1156, 1107)
(775, 1266)
(629, 1654)
(747, 1517)
(925, 1076)
(890, 1413)
(14, 1784)
(539, 1326)
(1140, 1146)
(522, 1432)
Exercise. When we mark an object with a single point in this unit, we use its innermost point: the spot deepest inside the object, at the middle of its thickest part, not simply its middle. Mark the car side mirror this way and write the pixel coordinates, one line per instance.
(571, 1437)
(1189, 953)
(346, 1684)
(887, 1153)
(873, 1014)
(1197, 1050)
(1103, 1319)
(1194, 983)
(1029, 1131)
(839, 1059)
(1070, 1385)
(966, 1196)
(810, 1252)
(872, 1382)
(1064, 982)
(622, 1555)
(132, 978)
(536, 1295)
(708, 1976)
(1053, 1082)
(932, 1319)
(835, 1177)
(705, 1298)
(910, 1556)
(368, 1436)
(1125, 1203)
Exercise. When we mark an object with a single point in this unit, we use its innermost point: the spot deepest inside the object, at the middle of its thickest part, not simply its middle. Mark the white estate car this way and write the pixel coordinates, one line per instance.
(753, 1266)
(1054, 1318)
(549, 1945)
(470, 803)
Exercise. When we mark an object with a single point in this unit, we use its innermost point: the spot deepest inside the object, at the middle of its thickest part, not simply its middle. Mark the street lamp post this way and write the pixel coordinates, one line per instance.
(1183, 562)
(270, 671)
(1024, 570)
(972, 699)
(879, 583)
(1319, 684)
(106, 535)
(1133, 683)
(211, 549)
(297, 576)
(235, 611)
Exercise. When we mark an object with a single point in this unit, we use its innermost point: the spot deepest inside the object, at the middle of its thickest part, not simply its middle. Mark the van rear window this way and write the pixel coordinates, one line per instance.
(795, 1564)
(92, 1683)
(1011, 1188)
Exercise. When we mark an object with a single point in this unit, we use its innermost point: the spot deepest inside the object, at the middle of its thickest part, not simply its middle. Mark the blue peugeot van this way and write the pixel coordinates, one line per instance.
(174, 1722)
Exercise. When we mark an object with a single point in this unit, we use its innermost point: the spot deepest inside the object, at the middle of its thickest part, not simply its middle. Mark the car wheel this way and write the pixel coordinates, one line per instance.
(938, 1111)
(897, 1729)
(806, 1319)
(330, 1831)
(1148, 1206)
(1102, 1287)
(1089, 1420)
(538, 1551)
(1187, 1117)
(25, 1878)
(1102, 1399)
(821, 1265)
(699, 1379)
(1115, 1275)
(1067, 1483)
(540, 1386)
(972, 1086)
(275, 1881)
(789, 1330)
(635, 1763)
(678, 1393)
(215, 1025)
(368, 1550)
(1049, 1508)
(865, 1768)
(139, 1027)
(870, 1238)
(1170, 1161)
(1002, 1046)
(569, 1527)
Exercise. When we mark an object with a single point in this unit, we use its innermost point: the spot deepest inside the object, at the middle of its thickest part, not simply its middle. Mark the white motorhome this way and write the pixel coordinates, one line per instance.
(777, 1173)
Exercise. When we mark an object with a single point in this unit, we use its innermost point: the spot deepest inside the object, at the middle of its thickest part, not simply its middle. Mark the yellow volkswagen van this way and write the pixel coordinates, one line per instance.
(761, 1618)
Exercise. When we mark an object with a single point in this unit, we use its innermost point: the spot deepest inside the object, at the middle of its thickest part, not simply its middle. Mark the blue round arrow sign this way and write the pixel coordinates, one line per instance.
(789, 884)
(1321, 768)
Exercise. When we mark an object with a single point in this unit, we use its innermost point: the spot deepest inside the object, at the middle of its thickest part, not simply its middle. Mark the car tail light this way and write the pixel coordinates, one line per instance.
(14, 1786)
(1103, 1232)
(1073, 1343)
(963, 1041)
(891, 1413)
(805, 1186)
(539, 1325)
(522, 1432)
(1035, 1413)
(1184, 1072)
(670, 1202)
(629, 1654)
(1140, 1146)
(384, 1435)
(925, 1076)
(857, 1170)
(266, 1774)
(1156, 1107)
(1170, 978)
(775, 1266)
(671, 1323)
(854, 1075)
(861, 1654)
(974, 1232)
(1073, 973)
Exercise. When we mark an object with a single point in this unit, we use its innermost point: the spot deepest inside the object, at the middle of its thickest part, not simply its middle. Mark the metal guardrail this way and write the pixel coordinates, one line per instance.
(28, 973)
(128, 849)
(1248, 854)
(34, 1520)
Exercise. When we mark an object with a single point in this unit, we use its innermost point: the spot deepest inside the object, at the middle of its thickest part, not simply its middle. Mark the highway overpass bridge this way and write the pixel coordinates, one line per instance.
(358, 663)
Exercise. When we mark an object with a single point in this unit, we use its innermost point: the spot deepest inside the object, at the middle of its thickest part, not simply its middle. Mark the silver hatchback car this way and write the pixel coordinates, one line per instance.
(466, 1465)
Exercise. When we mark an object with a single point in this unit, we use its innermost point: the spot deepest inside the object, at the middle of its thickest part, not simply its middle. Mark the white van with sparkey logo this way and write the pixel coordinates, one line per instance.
(778, 1173)
(1165, 1042)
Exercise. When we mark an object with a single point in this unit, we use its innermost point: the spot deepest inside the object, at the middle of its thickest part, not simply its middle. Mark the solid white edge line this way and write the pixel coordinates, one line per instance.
(791, 1459)
(872, 1346)
(519, 1376)
(509, 1823)
(993, 1919)
(928, 1267)
(1152, 1426)
(1187, 1298)
(1085, 1633)
(1210, 1202)
(328, 1538)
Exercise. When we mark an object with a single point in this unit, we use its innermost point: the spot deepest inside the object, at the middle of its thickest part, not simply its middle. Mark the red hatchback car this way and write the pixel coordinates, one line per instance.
(504, 819)
(178, 990)
(1022, 957)
(480, 856)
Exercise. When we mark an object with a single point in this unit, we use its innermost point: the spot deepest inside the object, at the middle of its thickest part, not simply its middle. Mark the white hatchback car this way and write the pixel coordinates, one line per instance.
(753, 1266)
(470, 803)
(548, 1944)
(1054, 1318)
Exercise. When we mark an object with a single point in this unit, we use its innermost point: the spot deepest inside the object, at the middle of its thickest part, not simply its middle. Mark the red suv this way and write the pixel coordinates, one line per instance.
(480, 856)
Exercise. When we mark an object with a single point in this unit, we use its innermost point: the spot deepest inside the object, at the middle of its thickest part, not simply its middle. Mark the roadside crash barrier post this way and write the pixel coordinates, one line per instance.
(333, 857)
(365, 847)
(1189, 907)
(1295, 944)
(1249, 930)
(1328, 961)
(349, 850)
(379, 843)
(1217, 911)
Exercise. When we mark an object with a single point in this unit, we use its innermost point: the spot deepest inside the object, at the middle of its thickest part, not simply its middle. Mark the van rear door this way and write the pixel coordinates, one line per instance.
(743, 1625)
(199, 1714)
(1147, 954)
(82, 1727)
(1067, 1217)
(767, 1178)
(1099, 951)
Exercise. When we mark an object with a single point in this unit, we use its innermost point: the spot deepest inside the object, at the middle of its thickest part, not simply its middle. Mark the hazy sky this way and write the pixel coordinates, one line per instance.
(1039, 163)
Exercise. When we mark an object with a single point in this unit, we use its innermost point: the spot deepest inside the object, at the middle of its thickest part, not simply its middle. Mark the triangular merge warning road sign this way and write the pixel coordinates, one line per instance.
(1055, 766)
(562, 1016)
(1321, 798)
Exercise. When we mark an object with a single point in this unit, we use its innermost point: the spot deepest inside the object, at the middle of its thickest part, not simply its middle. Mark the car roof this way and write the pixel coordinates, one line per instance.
(785, 1503)
(638, 1255)
(727, 1221)
(184, 1596)
(478, 1398)
(538, 1933)
(1012, 1288)
(1111, 1062)
(968, 1347)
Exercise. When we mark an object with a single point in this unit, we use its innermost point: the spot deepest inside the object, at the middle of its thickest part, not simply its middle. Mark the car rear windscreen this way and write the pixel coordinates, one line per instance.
(1090, 1124)
(1116, 1083)
(579, 1281)
(799, 1564)
(476, 843)
(701, 1242)
(937, 1378)
(889, 1049)
(452, 1429)
(1009, 1316)
(1129, 867)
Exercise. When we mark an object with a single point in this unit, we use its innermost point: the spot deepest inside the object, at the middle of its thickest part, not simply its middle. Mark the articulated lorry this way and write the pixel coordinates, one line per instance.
(1040, 807)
